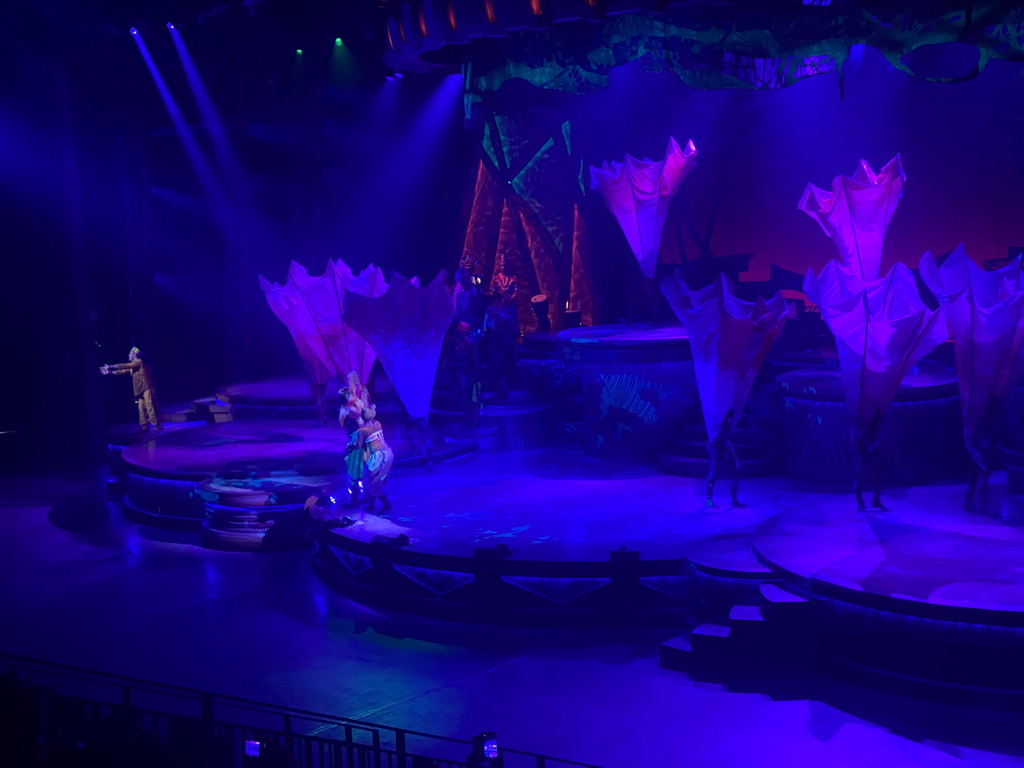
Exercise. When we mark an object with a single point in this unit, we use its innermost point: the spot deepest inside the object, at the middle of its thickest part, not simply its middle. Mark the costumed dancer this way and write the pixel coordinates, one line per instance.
(868, 458)
(142, 386)
(378, 458)
(467, 373)
(722, 458)
(354, 398)
(502, 323)
(982, 450)
(467, 329)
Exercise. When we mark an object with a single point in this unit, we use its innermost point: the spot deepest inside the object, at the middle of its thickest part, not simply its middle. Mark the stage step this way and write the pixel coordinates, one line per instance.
(676, 653)
(741, 436)
(778, 595)
(745, 614)
(687, 455)
(211, 405)
(761, 635)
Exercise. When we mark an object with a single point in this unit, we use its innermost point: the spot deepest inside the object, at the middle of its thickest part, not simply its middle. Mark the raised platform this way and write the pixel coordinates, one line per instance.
(924, 557)
(555, 537)
(161, 473)
(925, 594)
(518, 421)
(284, 392)
(921, 440)
(540, 537)
(638, 385)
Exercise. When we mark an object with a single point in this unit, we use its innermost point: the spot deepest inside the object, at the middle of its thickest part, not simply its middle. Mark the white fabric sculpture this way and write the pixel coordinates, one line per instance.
(985, 315)
(881, 327)
(729, 339)
(406, 327)
(638, 193)
(312, 308)
(856, 213)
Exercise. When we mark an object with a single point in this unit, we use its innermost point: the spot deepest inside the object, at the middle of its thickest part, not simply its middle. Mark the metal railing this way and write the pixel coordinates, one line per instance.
(76, 704)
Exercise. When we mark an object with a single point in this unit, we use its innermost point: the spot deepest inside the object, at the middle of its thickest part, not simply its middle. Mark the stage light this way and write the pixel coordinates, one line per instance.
(486, 753)
(298, 51)
(399, 75)
(337, 41)
(170, 25)
(390, 79)
(133, 31)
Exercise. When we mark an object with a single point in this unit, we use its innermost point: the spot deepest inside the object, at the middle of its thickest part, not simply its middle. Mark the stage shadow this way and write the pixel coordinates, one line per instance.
(88, 515)
(167, 535)
(943, 716)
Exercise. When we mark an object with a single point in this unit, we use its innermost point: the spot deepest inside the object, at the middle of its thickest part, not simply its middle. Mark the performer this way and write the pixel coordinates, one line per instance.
(353, 399)
(378, 457)
(722, 457)
(469, 298)
(467, 373)
(981, 449)
(467, 329)
(142, 386)
(868, 457)
(504, 283)
(502, 323)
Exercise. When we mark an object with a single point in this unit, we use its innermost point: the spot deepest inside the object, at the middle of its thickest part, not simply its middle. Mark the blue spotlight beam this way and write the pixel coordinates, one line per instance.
(211, 119)
(188, 139)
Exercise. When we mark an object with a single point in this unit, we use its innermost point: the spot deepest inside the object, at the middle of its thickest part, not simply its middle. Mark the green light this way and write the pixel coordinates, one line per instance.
(337, 41)
(298, 51)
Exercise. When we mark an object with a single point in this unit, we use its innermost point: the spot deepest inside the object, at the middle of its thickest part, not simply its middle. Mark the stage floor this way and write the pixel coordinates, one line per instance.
(260, 448)
(560, 505)
(150, 604)
(926, 550)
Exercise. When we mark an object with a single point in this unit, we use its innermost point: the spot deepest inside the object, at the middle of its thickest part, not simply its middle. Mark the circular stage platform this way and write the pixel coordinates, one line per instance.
(287, 397)
(925, 556)
(161, 472)
(925, 592)
(638, 384)
(553, 537)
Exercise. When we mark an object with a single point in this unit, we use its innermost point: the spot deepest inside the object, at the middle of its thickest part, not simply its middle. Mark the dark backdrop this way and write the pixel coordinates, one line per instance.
(110, 240)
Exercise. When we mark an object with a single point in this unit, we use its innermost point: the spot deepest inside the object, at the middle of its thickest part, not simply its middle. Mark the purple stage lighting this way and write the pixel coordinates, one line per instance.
(133, 31)
(211, 120)
(181, 127)
(170, 25)
(399, 75)
(390, 79)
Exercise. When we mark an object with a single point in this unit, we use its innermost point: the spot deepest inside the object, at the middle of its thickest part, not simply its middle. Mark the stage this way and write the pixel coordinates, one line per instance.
(553, 537)
(161, 471)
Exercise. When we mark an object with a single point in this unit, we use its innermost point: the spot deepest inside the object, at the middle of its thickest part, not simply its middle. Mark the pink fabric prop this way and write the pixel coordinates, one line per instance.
(405, 327)
(729, 339)
(283, 303)
(985, 315)
(638, 192)
(312, 309)
(856, 213)
(881, 327)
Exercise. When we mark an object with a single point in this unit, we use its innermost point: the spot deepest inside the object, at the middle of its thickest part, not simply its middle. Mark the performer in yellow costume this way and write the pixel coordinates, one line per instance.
(142, 386)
